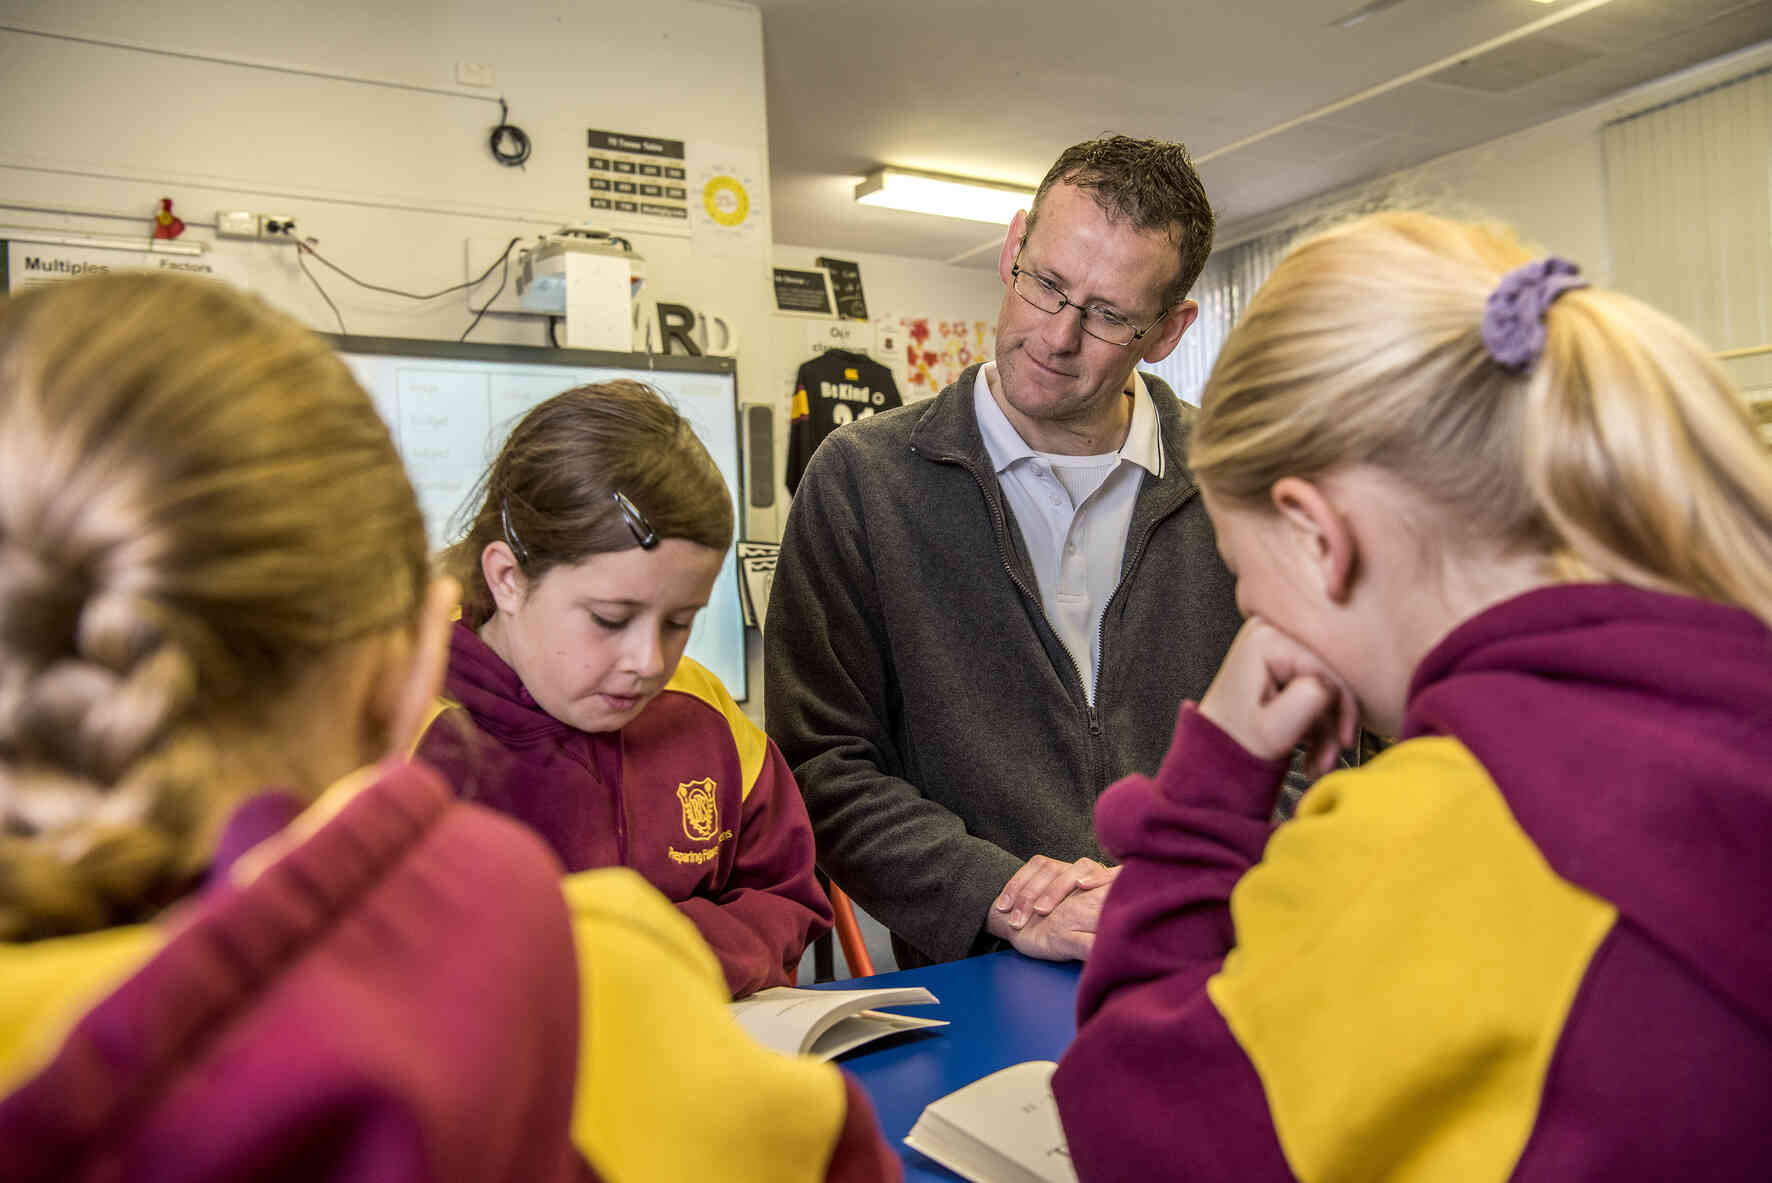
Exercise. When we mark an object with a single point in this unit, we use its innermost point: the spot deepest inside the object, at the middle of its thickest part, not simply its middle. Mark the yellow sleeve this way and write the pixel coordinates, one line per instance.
(694, 679)
(47, 986)
(669, 1086)
(1405, 962)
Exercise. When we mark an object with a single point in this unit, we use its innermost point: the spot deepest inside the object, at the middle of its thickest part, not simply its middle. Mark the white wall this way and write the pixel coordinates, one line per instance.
(393, 181)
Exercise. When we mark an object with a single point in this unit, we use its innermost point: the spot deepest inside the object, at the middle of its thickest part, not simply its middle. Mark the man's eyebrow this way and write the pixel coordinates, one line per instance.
(1045, 272)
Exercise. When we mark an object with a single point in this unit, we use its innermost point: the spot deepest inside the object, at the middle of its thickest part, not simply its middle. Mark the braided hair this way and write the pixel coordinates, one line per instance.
(197, 503)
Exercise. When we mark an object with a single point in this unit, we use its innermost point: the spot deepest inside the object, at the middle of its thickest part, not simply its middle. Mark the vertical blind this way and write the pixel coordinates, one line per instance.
(1223, 291)
(1689, 190)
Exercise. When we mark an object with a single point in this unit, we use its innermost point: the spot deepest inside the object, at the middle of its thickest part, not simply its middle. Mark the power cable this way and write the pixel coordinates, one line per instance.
(504, 276)
(376, 287)
(302, 249)
(517, 152)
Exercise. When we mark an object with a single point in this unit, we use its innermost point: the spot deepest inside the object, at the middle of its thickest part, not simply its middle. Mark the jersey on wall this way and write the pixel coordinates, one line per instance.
(832, 389)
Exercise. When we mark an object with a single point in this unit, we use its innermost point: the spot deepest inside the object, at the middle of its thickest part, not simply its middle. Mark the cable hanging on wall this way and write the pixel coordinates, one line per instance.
(509, 143)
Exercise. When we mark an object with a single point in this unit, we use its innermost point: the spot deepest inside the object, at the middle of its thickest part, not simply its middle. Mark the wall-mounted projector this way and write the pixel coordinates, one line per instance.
(587, 277)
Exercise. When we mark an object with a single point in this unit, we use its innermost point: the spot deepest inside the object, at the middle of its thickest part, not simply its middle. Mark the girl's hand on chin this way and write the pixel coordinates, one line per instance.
(1273, 694)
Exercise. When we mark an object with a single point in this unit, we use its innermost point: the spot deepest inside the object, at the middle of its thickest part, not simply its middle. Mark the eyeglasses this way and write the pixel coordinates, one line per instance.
(1098, 322)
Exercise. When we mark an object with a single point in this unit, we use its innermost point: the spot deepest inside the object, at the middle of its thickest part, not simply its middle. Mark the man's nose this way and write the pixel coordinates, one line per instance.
(1064, 330)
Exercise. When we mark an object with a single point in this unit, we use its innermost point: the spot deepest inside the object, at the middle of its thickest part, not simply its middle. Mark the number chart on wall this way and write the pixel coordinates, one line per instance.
(450, 407)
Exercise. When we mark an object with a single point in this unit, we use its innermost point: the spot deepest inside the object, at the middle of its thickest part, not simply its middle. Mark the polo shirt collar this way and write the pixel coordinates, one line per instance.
(1004, 445)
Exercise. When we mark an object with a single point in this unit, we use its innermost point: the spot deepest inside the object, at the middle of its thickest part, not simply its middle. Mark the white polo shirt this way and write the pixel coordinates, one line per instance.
(1073, 513)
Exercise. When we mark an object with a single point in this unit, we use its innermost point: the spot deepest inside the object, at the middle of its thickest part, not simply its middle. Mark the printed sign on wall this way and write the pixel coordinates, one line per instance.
(637, 182)
(25, 264)
(726, 200)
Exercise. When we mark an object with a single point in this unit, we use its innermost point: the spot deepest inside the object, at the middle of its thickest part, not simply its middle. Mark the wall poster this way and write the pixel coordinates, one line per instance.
(637, 182)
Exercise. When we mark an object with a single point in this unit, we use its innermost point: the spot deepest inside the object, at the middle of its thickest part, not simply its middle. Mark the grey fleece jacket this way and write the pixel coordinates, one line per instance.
(936, 725)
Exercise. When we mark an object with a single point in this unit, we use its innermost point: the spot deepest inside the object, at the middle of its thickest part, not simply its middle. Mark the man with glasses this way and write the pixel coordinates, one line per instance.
(989, 606)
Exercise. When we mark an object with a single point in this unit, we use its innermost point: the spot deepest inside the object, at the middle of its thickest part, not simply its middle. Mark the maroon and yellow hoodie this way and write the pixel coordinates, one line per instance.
(388, 987)
(1532, 941)
(691, 794)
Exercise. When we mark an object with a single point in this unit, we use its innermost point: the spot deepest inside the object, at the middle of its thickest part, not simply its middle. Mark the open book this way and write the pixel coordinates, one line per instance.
(1002, 1128)
(827, 1023)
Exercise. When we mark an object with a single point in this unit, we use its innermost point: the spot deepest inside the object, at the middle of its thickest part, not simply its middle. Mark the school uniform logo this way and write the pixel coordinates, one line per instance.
(701, 813)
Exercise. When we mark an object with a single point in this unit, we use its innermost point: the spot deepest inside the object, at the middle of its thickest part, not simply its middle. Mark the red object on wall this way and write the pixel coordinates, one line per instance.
(166, 223)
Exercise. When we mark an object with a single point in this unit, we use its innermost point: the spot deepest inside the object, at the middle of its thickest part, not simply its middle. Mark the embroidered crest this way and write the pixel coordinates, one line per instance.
(701, 815)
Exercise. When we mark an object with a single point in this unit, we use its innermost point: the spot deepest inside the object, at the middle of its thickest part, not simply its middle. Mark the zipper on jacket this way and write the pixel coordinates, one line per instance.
(1032, 597)
(589, 760)
(1126, 570)
(1091, 710)
(621, 804)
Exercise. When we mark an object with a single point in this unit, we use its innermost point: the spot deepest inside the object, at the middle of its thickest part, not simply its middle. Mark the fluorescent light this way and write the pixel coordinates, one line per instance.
(951, 197)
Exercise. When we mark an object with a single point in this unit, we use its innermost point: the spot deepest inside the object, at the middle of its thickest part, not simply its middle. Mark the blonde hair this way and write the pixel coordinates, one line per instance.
(1624, 454)
(197, 502)
(550, 493)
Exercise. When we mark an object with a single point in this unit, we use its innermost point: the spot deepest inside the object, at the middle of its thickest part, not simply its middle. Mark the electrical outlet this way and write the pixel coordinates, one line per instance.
(474, 74)
(279, 226)
(236, 224)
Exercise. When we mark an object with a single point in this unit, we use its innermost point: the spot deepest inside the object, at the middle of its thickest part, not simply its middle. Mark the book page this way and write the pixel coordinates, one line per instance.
(865, 1027)
(1003, 1128)
(790, 1020)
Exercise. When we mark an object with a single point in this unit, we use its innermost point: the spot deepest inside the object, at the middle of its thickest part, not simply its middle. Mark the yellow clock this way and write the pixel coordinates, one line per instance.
(726, 200)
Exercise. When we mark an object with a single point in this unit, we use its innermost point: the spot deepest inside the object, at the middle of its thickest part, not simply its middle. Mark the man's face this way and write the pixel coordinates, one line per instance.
(1049, 369)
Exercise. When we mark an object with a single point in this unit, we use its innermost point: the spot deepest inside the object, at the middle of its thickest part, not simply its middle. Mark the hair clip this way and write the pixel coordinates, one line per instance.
(642, 529)
(517, 548)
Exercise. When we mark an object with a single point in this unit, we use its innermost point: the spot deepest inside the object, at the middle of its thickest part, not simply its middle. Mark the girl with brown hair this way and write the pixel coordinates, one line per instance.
(601, 529)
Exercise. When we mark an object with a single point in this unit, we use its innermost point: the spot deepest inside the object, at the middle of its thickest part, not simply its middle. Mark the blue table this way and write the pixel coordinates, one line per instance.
(1002, 1008)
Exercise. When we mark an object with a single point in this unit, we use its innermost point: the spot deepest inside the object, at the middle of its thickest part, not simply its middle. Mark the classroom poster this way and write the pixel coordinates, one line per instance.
(934, 352)
(727, 200)
(25, 264)
(637, 182)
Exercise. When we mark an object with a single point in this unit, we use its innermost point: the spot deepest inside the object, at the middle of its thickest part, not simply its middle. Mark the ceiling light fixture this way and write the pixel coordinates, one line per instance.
(936, 193)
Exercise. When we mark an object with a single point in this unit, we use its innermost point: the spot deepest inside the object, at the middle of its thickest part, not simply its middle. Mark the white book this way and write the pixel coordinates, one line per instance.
(827, 1023)
(1002, 1128)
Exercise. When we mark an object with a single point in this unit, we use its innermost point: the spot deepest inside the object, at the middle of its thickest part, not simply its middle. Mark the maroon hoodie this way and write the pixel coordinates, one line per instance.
(1530, 941)
(691, 794)
(360, 1010)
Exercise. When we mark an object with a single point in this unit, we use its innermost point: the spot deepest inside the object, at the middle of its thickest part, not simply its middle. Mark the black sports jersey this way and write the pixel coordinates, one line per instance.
(832, 389)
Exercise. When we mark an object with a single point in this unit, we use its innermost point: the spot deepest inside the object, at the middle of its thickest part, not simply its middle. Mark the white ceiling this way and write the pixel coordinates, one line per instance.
(997, 90)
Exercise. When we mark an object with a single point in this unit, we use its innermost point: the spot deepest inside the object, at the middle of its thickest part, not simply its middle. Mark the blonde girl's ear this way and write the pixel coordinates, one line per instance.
(503, 575)
(1321, 533)
(411, 684)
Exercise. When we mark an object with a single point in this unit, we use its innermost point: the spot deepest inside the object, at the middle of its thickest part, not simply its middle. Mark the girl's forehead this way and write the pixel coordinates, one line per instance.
(671, 570)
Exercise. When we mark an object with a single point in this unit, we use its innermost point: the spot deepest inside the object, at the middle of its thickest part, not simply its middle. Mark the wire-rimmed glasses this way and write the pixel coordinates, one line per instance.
(1098, 322)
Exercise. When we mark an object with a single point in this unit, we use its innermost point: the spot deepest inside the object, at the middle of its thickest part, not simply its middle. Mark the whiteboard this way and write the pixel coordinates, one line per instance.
(450, 406)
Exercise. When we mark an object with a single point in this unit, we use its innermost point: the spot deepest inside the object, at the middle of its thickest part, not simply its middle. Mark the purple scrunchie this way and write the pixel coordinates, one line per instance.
(1513, 321)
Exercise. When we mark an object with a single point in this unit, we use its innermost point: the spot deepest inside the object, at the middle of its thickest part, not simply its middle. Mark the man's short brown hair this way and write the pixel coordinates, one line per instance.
(1152, 184)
